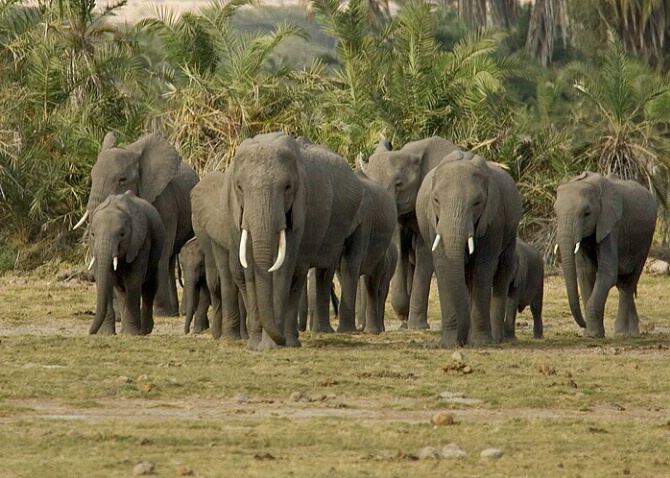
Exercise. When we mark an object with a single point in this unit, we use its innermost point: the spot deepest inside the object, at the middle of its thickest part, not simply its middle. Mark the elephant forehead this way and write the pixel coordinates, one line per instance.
(576, 191)
(114, 160)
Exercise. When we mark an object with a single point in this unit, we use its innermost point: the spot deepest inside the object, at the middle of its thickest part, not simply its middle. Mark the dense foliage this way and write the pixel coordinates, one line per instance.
(69, 73)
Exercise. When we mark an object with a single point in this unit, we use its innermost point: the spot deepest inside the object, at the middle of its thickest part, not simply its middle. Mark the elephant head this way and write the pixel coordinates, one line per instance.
(144, 167)
(119, 229)
(268, 179)
(586, 207)
(402, 172)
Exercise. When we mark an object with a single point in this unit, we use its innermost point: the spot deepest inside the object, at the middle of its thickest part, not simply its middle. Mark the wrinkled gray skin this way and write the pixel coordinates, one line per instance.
(461, 199)
(216, 223)
(153, 170)
(308, 303)
(401, 173)
(127, 228)
(613, 222)
(370, 244)
(525, 289)
(273, 185)
(363, 310)
(195, 298)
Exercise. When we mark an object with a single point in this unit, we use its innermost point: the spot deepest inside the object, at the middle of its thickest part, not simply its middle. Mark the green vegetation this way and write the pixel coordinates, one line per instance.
(588, 90)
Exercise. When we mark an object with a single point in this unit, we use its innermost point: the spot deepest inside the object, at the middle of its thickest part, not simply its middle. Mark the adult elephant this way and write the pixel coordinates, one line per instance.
(402, 173)
(153, 170)
(294, 206)
(469, 210)
(605, 229)
(216, 220)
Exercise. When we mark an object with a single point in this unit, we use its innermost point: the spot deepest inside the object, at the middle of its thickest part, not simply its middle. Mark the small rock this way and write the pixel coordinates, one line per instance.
(449, 395)
(442, 418)
(184, 471)
(296, 397)
(123, 379)
(430, 452)
(143, 468)
(242, 398)
(149, 387)
(458, 356)
(453, 451)
(491, 453)
(659, 267)
(144, 378)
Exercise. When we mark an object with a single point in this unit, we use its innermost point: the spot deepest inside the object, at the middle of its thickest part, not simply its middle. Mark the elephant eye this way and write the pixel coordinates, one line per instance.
(288, 187)
(122, 179)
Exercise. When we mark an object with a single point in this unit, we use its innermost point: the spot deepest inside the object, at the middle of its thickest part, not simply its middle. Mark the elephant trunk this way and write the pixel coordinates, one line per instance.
(567, 243)
(266, 240)
(454, 292)
(190, 296)
(103, 284)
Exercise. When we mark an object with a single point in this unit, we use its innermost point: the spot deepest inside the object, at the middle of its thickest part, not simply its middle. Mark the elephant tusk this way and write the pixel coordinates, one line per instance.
(436, 243)
(281, 254)
(243, 248)
(115, 262)
(90, 264)
(555, 249)
(81, 221)
(471, 245)
(577, 247)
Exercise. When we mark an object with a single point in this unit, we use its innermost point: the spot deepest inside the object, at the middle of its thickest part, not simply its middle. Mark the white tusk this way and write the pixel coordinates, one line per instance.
(81, 221)
(243, 248)
(90, 264)
(282, 252)
(471, 245)
(555, 249)
(577, 247)
(115, 262)
(436, 243)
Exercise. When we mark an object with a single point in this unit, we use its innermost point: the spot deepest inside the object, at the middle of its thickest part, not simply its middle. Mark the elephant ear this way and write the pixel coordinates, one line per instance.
(384, 146)
(158, 164)
(138, 225)
(611, 209)
(492, 206)
(520, 268)
(109, 141)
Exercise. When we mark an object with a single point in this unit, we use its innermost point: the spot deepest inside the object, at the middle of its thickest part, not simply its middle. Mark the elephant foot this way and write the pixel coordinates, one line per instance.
(164, 311)
(403, 325)
(106, 329)
(450, 341)
(253, 342)
(372, 330)
(231, 336)
(509, 338)
(480, 339)
(346, 327)
(324, 329)
(593, 334)
(266, 343)
(293, 342)
(244, 335)
(418, 325)
(198, 329)
(538, 336)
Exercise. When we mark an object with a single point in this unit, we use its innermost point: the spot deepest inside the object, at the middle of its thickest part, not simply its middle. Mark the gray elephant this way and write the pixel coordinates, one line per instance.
(605, 229)
(153, 170)
(469, 210)
(297, 206)
(402, 173)
(127, 238)
(526, 289)
(196, 295)
(308, 303)
(216, 223)
(363, 310)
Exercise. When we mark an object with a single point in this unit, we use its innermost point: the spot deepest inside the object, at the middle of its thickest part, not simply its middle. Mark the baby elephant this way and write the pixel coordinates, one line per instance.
(127, 238)
(196, 294)
(526, 288)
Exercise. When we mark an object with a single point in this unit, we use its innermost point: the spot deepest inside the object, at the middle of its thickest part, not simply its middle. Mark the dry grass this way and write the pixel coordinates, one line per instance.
(344, 405)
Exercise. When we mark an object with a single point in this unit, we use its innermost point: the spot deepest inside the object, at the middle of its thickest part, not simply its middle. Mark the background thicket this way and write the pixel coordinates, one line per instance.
(548, 88)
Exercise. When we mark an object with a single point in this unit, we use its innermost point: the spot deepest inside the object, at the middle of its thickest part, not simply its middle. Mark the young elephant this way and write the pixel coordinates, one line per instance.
(525, 289)
(127, 239)
(196, 295)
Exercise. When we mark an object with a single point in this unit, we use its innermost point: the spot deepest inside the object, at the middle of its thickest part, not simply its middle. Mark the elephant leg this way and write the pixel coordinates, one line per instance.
(373, 321)
(536, 310)
(334, 301)
(499, 291)
(400, 288)
(291, 324)
(230, 307)
(322, 280)
(108, 326)
(586, 276)
(172, 284)
(606, 278)
(131, 314)
(243, 314)
(423, 272)
(202, 306)
(480, 313)
(302, 314)
(254, 326)
(510, 315)
(117, 308)
(149, 289)
(623, 324)
(361, 304)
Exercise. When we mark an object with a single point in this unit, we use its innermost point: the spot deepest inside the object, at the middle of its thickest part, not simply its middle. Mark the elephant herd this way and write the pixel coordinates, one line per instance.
(249, 235)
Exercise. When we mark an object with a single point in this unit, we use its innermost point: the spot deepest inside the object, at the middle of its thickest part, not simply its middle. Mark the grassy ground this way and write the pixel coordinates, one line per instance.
(343, 406)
